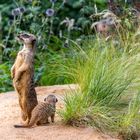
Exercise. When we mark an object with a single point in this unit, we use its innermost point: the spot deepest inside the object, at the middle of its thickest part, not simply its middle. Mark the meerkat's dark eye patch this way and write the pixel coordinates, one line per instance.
(25, 35)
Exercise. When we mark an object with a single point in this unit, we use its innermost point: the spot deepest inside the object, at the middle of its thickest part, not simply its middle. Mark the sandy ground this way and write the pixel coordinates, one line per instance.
(10, 115)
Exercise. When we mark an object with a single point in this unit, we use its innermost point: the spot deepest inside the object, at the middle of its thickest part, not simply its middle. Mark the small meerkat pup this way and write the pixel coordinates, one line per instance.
(42, 112)
(22, 73)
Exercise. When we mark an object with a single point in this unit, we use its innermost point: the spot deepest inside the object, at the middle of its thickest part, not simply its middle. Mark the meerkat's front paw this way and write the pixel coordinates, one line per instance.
(17, 78)
(12, 73)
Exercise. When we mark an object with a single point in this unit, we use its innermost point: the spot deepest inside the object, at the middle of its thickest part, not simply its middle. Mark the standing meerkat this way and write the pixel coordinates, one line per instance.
(42, 112)
(22, 73)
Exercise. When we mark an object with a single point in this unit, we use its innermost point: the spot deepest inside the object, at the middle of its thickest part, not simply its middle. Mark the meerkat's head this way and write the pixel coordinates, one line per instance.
(51, 99)
(27, 39)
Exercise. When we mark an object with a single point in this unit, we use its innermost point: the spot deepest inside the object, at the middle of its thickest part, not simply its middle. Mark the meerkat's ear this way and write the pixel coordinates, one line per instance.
(56, 100)
(33, 41)
(45, 99)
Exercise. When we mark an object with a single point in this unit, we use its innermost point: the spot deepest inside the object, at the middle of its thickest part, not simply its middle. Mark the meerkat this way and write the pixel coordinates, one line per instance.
(22, 73)
(42, 112)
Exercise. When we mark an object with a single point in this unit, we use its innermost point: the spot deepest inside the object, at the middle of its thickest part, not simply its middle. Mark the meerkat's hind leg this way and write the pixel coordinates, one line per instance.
(23, 116)
(52, 118)
(43, 122)
(26, 115)
(27, 123)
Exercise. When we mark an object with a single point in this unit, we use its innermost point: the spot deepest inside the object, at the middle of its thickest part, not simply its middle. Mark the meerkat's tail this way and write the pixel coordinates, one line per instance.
(31, 123)
(22, 126)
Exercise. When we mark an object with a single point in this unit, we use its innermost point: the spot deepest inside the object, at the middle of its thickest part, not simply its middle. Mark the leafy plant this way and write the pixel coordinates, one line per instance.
(5, 82)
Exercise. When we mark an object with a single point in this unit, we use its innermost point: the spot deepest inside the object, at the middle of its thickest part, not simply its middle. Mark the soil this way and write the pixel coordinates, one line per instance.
(10, 115)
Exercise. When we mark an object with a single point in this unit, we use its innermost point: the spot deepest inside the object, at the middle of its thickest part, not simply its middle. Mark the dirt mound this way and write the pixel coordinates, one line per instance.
(10, 115)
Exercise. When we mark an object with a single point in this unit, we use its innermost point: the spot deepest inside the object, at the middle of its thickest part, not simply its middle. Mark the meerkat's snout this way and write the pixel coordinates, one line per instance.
(18, 37)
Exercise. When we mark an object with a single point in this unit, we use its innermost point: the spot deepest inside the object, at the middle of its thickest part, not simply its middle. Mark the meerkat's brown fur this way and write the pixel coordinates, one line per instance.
(22, 73)
(42, 112)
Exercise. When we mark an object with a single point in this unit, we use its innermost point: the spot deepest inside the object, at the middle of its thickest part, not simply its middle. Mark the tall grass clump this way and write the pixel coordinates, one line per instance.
(106, 76)
(129, 124)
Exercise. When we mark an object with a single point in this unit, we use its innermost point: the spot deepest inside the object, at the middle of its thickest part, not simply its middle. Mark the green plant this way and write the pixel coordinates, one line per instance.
(54, 39)
(105, 75)
(129, 121)
(5, 82)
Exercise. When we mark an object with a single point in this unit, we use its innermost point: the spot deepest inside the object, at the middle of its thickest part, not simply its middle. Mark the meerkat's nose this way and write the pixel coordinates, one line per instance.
(18, 36)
